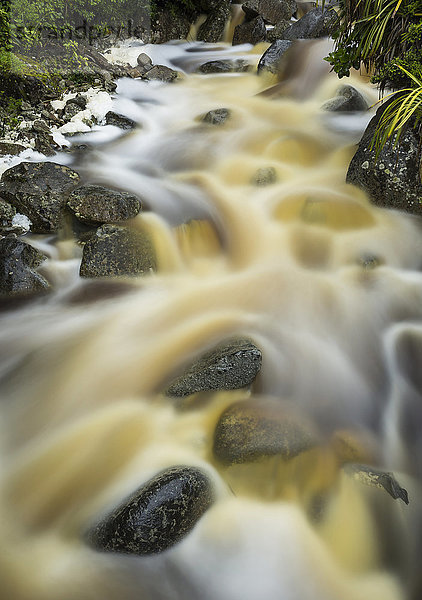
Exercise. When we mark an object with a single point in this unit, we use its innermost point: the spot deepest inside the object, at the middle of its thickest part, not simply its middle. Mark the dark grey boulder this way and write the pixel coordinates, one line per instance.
(264, 176)
(157, 516)
(144, 61)
(18, 262)
(97, 204)
(315, 24)
(7, 212)
(117, 251)
(270, 60)
(212, 30)
(120, 121)
(394, 180)
(11, 148)
(39, 191)
(162, 73)
(250, 32)
(272, 11)
(348, 99)
(70, 110)
(252, 429)
(376, 478)
(276, 33)
(224, 66)
(231, 365)
(217, 117)
(79, 101)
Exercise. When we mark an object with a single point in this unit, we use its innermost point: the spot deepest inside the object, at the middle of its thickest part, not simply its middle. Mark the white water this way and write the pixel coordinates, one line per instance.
(327, 285)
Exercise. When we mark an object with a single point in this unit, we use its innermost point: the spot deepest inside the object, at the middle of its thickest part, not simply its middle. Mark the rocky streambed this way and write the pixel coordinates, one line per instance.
(210, 340)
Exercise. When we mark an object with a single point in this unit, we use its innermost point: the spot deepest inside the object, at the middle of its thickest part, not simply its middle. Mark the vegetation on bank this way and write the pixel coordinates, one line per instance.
(386, 37)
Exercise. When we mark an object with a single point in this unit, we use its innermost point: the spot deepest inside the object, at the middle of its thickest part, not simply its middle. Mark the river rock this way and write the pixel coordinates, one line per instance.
(120, 121)
(250, 32)
(264, 176)
(18, 262)
(376, 478)
(40, 191)
(348, 99)
(252, 429)
(276, 33)
(7, 212)
(217, 117)
(11, 148)
(272, 11)
(316, 23)
(144, 61)
(157, 516)
(224, 66)
(212, 30)
(270, 60)
(115, 251)
(162, 73)
(97, 204)
(394, 180)
(231, 365)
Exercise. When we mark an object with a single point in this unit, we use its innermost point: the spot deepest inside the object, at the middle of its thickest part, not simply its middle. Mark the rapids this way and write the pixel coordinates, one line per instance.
(327, 285)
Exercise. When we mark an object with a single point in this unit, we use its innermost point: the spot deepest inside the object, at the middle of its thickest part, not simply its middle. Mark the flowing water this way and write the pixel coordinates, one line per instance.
(327, 285)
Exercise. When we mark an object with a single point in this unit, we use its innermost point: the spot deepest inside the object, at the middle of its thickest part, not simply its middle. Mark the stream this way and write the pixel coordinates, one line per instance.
(257, 236)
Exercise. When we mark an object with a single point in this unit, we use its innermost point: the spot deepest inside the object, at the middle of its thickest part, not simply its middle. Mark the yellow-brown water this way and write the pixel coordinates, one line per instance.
(327, 285)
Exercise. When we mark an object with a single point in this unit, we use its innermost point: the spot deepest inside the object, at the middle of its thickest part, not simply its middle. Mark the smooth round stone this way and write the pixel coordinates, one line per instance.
(98, 204)
(217, 117)
(252, 429)
(157, 516)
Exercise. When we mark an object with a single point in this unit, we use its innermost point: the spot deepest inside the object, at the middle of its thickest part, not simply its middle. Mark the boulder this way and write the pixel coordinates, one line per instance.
(117, 120)
(348, 99)
(394, 180)
(160, 72)
(272, 11)
(95, 204)
(224, 66)
(217, 117)
(252, 429)
(231, 365)
(157, 516)
(7, 212)
(375, 478)
(264, 176)
(40, 191)
(212, 30)
(316, 23)
(11, 148)
(270, 60)
(18, 262)
(276, 33)
(116, 251)
(250, 32)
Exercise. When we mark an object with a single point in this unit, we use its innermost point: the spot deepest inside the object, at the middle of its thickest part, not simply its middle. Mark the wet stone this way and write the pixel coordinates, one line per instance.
(316, 23)
(157, 516)
(270, 60)
(272, 11)
(217, 117)
(79, 100)
(144, 61)
(7, 212)
(264, 176)
(376, 478)
(224, 66)
(18, 262)
(250, 32)
(232, 365)
(40, 191)
(97, 204)
(11, 148)
(348, 99)
(162, 73)
(113, 118)
(252, 429)
(117, 251)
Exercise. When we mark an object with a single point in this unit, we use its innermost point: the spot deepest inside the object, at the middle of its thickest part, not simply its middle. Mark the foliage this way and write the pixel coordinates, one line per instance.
(386, 37)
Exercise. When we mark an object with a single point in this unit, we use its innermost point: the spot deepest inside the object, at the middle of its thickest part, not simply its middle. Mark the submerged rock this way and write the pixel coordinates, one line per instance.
(348, 99)
(18, 262)
(97, 204)
(272, 11)
(316, 23)
(250, 32)
(270, 60)
(113, 118)
(394, 180)
(40, 191)
(157, 516)
(265, 176)
(376, 478)
(217, 117)
(252, 429)
(116, 251)
(231, 365)
(224, 66)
